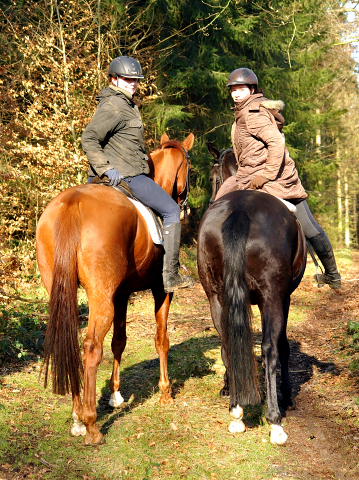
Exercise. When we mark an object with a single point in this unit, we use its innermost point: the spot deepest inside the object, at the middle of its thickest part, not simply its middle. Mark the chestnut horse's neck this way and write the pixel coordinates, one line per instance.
(169, 167)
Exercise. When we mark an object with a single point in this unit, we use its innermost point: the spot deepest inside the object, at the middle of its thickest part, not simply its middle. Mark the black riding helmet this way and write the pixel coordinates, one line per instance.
(126, 67)
(242, 76)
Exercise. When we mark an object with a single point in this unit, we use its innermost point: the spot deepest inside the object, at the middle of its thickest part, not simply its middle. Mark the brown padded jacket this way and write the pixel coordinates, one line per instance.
(259, 147)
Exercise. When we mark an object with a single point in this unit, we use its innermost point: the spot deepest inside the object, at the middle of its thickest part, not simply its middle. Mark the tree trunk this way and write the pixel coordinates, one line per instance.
(347, 226)
(340, 207)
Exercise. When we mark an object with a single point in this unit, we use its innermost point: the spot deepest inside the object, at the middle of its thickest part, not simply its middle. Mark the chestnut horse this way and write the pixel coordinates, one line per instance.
(92, 235)
(251, 251)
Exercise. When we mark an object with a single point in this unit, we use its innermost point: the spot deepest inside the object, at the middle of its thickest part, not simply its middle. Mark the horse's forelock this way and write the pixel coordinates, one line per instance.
(170, 144)
(173, 144)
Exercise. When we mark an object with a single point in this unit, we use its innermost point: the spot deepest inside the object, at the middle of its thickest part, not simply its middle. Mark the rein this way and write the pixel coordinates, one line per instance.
(183, 203)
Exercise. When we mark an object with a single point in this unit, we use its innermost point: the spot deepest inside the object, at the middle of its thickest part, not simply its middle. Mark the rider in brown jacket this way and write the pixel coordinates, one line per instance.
(264, 162)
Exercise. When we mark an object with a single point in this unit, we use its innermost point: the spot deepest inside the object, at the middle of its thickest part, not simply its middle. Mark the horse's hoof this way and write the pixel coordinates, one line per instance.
(288, 403)
(292, 405)
(166, 400)
(236, 426)
(79, 429)
(92, 441)
(224, 392)
(116, 400)
(278, 435)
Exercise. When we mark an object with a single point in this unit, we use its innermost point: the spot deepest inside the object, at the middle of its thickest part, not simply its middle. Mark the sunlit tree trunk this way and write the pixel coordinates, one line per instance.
(66, 70)
(99, 43)
(347, 226)
(355, 218)
(340, 207)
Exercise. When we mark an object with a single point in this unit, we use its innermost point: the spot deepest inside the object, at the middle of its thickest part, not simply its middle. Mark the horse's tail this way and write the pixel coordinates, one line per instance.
(61, 347)
(237, 313)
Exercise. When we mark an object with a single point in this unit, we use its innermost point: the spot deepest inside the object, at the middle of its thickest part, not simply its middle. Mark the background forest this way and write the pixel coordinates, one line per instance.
(54, 57)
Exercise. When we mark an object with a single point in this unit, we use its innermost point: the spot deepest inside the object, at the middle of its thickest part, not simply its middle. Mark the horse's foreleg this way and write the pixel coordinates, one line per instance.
(100, 320)
(272, 326)
(78, 428)
(162, 305)
(118, 345)
(236, 425)
(216, 311)
(284, 350)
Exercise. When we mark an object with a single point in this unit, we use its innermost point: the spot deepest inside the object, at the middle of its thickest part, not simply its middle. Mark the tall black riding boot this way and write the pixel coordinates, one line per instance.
(172, 280)
(323, 249)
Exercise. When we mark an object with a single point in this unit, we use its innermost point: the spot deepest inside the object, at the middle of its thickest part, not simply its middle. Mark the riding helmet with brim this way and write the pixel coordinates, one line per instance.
(242, 76)
(126, 67)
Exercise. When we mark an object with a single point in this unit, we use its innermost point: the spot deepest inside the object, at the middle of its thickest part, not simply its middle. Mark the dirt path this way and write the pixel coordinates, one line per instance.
(324, 428)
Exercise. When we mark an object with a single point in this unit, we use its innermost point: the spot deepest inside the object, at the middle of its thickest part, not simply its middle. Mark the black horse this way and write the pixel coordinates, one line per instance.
(251, 250)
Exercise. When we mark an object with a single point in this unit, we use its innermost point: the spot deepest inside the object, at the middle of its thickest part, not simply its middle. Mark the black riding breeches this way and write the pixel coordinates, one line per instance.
(152, 195)
(304, 215)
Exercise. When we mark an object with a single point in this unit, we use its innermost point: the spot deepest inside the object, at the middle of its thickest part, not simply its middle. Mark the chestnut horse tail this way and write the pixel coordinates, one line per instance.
(61, 347)
(237, 312)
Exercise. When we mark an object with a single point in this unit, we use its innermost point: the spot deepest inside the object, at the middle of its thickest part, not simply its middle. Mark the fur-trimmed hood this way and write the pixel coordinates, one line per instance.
(273, 104)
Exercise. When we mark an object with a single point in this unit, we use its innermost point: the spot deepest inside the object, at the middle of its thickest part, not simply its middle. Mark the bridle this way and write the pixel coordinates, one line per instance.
(219, 164)
(183, 203)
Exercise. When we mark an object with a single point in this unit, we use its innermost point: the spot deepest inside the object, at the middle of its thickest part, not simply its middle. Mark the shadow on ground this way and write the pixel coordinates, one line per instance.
(187, 360)
(139, 382)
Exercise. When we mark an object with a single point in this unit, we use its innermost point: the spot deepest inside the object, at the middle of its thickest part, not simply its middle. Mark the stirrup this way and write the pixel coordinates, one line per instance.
(175, 282)
(331, 279)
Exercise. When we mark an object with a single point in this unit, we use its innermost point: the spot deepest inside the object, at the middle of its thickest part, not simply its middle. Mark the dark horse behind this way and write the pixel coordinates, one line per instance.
(251, 251)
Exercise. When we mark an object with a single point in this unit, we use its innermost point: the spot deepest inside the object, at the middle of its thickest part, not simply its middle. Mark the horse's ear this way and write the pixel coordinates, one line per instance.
(213, 150)
(165, 138)
(187, 144)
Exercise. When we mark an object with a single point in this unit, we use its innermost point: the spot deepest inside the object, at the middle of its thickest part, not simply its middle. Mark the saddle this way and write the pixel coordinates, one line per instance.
(121, 187)
(124, 188)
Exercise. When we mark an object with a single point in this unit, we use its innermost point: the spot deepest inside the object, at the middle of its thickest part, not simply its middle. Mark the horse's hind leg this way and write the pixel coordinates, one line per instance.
(272, 327)
(118, 345)
(162, 305)
(100, 319)
(284, 350)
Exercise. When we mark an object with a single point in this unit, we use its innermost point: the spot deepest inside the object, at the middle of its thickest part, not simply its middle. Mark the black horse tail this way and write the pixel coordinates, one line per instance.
(237, 313)
(61, 347)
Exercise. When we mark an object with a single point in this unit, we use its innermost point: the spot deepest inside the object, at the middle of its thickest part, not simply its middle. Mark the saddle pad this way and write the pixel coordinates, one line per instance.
(155, 231)
(289, 205)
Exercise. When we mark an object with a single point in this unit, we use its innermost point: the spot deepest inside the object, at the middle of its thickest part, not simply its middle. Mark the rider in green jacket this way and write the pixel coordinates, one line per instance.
(114, 145)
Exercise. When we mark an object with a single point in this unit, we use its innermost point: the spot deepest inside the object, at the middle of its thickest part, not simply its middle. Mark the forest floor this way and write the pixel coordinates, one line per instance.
(323, 431)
